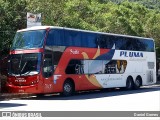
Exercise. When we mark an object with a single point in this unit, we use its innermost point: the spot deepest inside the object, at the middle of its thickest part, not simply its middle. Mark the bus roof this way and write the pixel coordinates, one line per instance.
(56, 27)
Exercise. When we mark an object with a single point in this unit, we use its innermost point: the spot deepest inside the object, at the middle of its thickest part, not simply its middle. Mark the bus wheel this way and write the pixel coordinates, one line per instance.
(68, 88)
(129, 83)
(137, 83)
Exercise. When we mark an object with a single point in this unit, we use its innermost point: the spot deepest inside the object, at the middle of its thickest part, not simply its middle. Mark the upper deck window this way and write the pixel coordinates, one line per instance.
(64, 37)
(28, 39)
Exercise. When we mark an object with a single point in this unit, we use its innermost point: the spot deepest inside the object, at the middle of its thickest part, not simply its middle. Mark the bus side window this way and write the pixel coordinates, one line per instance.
(48, 67)
(74, 67)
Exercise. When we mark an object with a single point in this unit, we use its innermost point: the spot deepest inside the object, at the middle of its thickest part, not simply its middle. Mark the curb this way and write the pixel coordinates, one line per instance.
(7, 96)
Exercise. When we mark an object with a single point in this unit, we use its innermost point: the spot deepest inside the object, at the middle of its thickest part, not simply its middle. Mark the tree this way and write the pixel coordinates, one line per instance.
(12, 17)
(130, 17)
(152, 28)
(52, 10)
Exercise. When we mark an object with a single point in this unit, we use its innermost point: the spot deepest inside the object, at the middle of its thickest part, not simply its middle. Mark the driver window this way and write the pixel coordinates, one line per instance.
(48, 66)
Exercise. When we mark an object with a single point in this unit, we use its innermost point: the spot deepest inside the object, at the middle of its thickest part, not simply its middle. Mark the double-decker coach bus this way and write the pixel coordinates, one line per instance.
(48, 59)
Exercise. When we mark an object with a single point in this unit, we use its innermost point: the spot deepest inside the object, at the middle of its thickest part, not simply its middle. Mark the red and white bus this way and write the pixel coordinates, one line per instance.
(48, 59)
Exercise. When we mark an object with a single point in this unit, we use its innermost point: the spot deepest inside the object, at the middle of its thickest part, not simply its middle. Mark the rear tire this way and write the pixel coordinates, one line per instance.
(68, 88)
(129, 83)
(137, 83)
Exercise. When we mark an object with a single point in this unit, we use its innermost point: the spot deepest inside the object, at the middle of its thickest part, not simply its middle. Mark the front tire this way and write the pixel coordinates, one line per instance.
(68, 88)
(129, 83)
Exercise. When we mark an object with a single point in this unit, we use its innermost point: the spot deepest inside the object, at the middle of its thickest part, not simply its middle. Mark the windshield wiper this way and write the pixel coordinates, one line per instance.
(28, 73)
(23, 69)
(23, 66)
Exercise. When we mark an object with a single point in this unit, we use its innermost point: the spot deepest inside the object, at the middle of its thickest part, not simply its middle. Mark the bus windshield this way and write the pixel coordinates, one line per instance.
(24, 64)
(28, 39)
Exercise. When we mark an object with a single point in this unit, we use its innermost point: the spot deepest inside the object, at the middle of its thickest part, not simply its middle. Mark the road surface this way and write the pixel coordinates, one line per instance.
(144, 99)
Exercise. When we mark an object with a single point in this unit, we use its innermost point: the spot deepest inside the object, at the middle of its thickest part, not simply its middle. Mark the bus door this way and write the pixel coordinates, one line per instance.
(48, 70)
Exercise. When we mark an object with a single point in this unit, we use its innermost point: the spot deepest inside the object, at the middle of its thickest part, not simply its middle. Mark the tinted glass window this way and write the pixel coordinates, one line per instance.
(149, 45)
(74, 67)
(120, 43)
(126, 43)
(106, 41)
(48, 65)
(59, 37)
(24, 64)
(28, 39)
(89, 40)
(55, 37)
(96, 67)
(72, 38)
(115, 67)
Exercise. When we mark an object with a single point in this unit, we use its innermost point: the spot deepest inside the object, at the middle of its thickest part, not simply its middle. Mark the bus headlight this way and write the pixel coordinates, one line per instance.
(34, 82)
(10, 82)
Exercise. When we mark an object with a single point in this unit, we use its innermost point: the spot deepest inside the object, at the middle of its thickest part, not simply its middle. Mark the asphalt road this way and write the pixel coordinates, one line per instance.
(144, 99)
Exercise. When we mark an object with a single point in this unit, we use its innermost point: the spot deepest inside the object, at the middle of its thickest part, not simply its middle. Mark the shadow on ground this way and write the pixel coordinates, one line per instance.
(8, 105)
(94, 94)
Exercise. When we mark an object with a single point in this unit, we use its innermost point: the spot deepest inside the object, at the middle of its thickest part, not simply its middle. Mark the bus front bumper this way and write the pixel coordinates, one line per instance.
(23, 89)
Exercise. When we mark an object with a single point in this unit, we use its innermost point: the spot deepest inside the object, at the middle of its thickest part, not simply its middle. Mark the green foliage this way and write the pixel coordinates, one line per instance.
(12, 18)
(131, 17)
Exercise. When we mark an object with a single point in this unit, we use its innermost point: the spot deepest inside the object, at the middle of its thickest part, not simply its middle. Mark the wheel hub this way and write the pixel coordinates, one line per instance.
(137, 82)
(67, 88)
